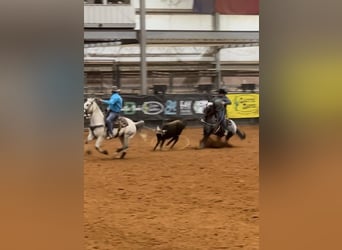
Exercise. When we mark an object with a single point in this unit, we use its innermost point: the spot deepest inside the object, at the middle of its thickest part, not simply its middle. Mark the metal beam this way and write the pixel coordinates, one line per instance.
(107, 35)
(218, 68)
(208, 35)
(171, 37)
(143, 74)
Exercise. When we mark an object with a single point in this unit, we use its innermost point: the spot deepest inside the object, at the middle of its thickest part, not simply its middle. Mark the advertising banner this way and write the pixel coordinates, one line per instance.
(183, 106)
(244, 105)
(160, 107)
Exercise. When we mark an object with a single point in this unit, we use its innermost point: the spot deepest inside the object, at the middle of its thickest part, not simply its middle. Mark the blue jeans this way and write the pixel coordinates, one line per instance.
(112, 116)
(222, 119)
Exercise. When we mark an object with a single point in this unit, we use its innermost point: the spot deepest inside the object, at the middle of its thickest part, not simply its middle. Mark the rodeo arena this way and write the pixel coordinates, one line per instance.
(172, 176)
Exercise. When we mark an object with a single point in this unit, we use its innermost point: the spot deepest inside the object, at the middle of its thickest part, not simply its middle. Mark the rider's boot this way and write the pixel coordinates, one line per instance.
(109, 135)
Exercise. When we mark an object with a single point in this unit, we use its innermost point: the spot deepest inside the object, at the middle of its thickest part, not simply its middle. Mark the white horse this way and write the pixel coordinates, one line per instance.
(98, 130)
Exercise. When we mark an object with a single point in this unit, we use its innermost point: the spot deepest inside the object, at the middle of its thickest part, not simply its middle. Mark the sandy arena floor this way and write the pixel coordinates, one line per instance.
(180, 199)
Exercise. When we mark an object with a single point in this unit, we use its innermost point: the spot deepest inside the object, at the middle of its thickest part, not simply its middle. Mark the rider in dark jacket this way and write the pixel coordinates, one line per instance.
(221, 101)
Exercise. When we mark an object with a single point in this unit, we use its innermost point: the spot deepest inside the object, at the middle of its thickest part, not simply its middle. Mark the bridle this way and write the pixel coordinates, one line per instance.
(209, 111)
(86, 112)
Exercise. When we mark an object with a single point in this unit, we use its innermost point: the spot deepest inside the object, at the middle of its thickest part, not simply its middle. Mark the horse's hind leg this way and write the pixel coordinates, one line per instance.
(124, 143)
(241, 134)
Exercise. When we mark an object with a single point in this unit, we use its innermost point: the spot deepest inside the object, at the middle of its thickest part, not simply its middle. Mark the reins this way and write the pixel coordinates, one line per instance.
(209, 112)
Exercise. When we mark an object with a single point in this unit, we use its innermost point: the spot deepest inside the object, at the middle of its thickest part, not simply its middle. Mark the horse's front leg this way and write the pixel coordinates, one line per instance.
(98, 144)
(204, 140)
(90, 137)
(206, 134)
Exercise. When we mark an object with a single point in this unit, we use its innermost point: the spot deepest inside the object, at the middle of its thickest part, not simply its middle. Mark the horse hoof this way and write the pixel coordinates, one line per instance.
(122, 155)
(105, 152)
(120, 149)
(88, 152)
(243, 136)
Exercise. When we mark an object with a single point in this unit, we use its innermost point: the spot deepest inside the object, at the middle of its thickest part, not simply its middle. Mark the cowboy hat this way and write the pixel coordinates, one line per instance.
(115, 89)
(222, 91)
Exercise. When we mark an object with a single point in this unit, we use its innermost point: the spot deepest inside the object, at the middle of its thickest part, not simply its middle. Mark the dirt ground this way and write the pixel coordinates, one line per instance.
(181, 199)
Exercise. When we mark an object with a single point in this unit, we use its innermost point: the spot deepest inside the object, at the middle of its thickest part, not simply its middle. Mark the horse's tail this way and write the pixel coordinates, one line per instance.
(232, 127)
(139, 125)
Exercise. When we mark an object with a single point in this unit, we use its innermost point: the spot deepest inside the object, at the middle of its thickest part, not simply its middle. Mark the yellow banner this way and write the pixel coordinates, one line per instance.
(243, 105)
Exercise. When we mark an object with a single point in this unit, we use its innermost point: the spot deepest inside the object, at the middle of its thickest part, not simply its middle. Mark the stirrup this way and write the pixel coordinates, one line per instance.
(118, 131)
(109, 137)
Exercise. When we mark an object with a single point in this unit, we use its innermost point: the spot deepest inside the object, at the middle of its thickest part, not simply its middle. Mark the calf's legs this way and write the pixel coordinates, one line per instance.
(174, 140)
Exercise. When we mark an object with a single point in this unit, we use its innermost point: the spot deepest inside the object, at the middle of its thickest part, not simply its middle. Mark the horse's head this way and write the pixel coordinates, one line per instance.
(209, 110)
(89, 107)
(209, 118)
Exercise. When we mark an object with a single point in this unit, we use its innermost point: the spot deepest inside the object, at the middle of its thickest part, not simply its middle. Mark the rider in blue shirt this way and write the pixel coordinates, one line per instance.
(114, 109)
(221, 101)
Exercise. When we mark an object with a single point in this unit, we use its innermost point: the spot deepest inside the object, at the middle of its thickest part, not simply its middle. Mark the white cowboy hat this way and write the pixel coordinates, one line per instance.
(115, 89)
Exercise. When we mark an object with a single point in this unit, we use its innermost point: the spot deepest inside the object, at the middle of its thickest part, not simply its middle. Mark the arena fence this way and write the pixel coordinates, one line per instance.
(154, 109)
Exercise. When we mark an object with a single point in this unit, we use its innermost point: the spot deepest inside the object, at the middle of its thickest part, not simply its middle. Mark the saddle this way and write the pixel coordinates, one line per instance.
(120, 123)
(219, 130)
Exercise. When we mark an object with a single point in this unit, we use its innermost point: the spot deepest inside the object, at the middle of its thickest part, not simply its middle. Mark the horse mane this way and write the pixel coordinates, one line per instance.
(97, 107)
(209, 111)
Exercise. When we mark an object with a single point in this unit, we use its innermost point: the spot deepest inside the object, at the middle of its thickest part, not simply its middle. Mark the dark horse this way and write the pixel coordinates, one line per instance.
(211, 125)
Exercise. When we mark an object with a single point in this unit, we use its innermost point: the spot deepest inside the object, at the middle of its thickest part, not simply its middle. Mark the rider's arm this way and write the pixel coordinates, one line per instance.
(104, 101)
(227, 101)
(112, 100)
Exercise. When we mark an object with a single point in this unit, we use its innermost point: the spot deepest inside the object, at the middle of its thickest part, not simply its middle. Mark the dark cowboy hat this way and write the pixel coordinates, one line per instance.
(222, 91)
(115, 89)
